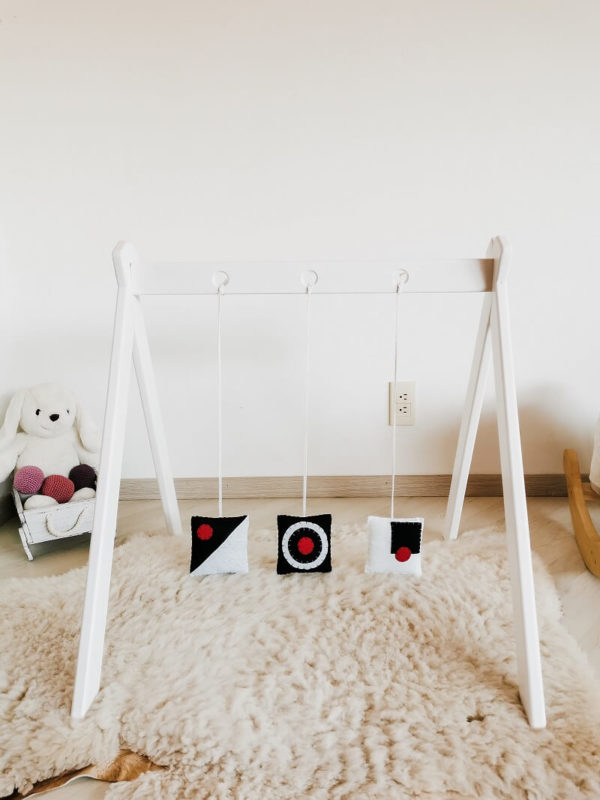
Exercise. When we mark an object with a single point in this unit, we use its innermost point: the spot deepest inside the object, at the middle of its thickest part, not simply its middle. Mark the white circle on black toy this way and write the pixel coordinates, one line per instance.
(309, 552)
(304, 544)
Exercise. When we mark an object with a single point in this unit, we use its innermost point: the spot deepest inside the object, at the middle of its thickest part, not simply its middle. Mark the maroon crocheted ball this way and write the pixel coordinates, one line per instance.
(83, 477)
(28, 480)
(58, 487)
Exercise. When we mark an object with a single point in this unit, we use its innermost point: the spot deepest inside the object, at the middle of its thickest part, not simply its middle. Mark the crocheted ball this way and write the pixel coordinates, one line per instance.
(28, 480)
(83, 477)
(58, 487)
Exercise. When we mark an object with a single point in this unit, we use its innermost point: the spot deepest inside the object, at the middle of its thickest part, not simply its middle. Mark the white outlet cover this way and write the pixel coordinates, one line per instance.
(405, 398)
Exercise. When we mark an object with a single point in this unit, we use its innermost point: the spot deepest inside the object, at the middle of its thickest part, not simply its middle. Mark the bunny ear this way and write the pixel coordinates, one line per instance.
(87, 430)
(9, 429)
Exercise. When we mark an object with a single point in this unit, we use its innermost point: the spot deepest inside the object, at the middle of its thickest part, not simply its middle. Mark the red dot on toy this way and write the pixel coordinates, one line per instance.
(306, 545)
(58, 487)
(403, 553)
(204, 532)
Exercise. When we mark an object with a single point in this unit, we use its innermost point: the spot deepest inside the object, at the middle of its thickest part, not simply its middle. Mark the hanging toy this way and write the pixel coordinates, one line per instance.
(305, 542)
(219, 544)
(395, 543)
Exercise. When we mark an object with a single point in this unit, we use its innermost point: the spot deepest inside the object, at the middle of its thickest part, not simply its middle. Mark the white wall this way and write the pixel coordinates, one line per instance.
(331, 129)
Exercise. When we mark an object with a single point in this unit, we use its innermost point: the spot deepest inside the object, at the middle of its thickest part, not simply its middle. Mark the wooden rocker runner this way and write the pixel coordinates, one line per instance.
(580, 492)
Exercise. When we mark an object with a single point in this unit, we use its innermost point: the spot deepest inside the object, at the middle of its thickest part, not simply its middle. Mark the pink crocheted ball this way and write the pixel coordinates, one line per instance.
(58, 487)
(28, 480)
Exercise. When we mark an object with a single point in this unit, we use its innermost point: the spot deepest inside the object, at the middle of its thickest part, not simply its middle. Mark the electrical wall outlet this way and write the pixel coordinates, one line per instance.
(403, 398)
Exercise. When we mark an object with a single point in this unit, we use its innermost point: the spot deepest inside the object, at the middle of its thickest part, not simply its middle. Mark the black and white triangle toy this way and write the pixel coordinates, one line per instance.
(395, 542)
(304, 543)
(219, 544)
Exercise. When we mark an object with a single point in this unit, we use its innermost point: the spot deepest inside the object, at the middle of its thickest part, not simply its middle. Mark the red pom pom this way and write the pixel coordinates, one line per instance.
(204, 532)
(28, 480)
(306, 545)
(58, 487)
(403, 553)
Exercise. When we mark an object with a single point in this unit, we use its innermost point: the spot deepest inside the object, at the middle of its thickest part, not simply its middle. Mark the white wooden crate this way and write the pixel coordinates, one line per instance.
(55, 522)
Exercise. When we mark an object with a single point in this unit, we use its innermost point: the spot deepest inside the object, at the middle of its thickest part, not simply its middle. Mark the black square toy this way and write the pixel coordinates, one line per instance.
(304, 544)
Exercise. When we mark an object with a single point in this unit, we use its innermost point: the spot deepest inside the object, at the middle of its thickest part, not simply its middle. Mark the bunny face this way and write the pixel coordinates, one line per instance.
(48, 411)
(44, 426)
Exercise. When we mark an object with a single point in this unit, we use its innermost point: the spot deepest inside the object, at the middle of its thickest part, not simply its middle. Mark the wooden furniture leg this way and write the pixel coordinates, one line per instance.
(586, 536)
(93, 625)
(529, 666)
(469, 424)
(142, 362)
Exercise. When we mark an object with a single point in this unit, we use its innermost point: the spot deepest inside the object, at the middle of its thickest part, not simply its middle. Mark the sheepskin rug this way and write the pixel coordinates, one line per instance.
(263, 687)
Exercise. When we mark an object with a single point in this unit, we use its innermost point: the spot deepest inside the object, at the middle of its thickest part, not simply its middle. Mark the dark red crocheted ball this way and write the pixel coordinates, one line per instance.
(58, 487)
(83, 477)
(28, 480)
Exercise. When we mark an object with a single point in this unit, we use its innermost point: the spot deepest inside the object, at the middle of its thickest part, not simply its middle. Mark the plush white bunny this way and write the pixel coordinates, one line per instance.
(45, 427)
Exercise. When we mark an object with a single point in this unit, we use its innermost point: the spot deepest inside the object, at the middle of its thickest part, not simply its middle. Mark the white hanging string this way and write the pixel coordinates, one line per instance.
(309, 279)
(401, 279)
(219, 403)
(220, 280)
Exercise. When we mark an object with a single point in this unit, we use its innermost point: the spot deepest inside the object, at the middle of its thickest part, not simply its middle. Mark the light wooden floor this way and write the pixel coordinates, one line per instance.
(551, 535)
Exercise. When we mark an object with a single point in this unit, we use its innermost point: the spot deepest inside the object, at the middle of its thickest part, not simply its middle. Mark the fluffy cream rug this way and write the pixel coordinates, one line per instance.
(340, 685)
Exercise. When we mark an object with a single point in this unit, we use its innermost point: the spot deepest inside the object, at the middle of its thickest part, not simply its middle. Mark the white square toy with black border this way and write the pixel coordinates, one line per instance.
(395, 545)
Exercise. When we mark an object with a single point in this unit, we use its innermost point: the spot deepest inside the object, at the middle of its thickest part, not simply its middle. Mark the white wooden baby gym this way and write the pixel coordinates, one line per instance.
(487, 276)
